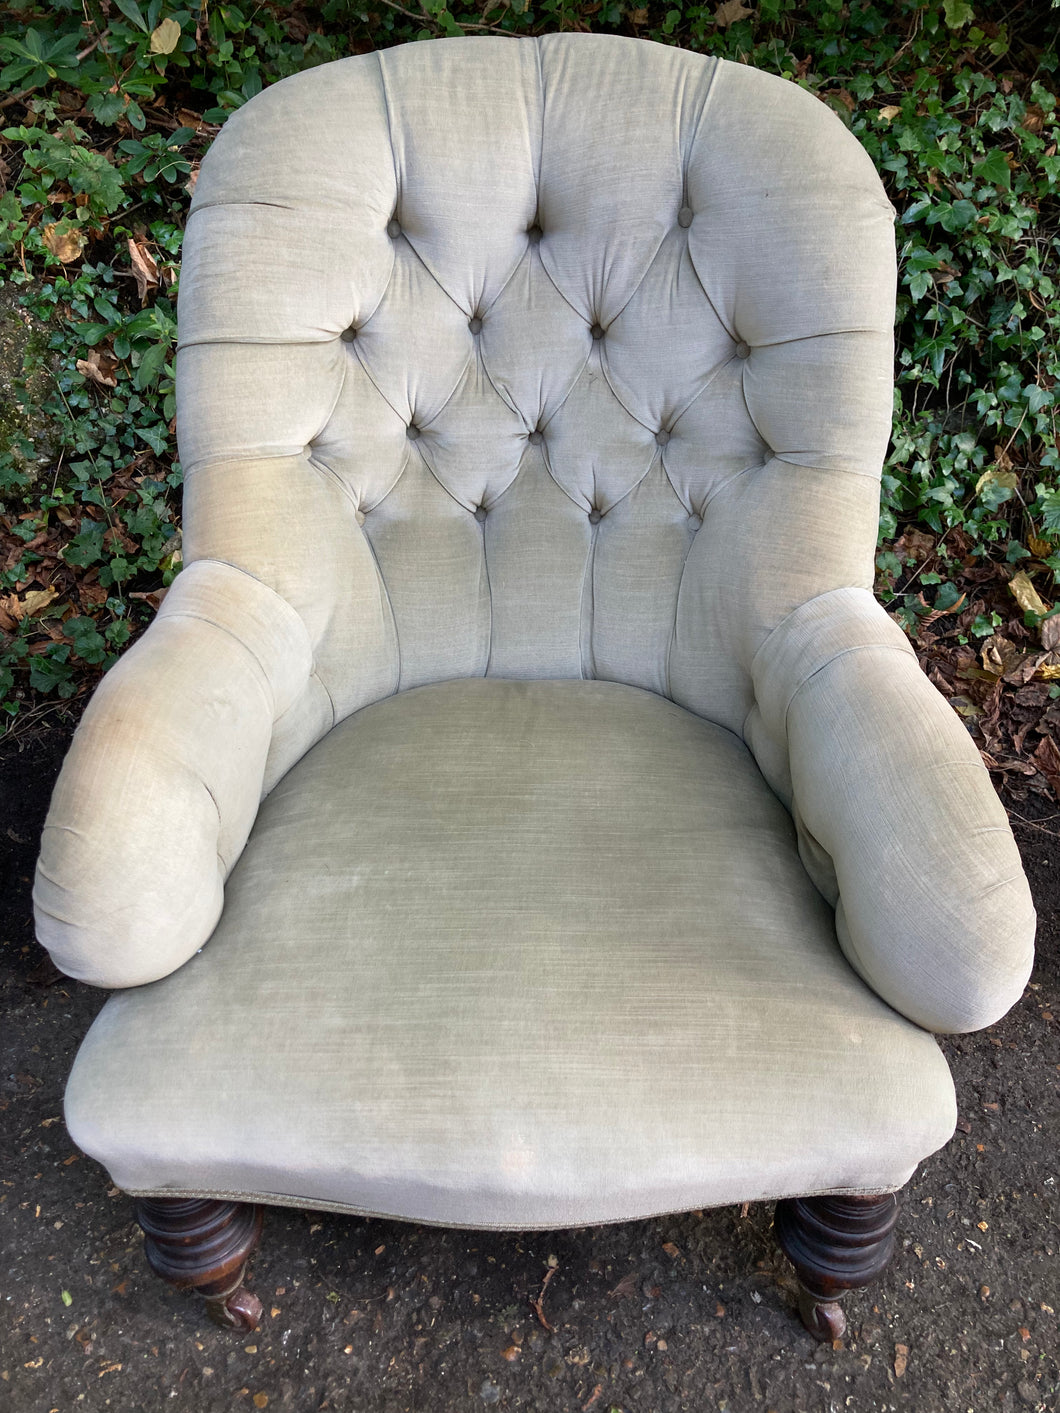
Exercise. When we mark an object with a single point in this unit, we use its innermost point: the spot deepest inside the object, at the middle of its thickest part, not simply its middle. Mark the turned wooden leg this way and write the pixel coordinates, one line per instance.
(199, 1244)
(836, 1244)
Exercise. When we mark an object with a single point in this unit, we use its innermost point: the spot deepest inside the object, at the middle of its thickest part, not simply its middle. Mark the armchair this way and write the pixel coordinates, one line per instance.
(520, 813)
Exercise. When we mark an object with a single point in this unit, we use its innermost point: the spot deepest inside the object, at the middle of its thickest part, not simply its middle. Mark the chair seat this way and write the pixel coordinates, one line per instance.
(514, 954)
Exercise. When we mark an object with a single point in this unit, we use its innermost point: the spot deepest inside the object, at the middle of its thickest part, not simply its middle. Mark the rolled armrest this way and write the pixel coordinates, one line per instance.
(898, 822)
(162, 782)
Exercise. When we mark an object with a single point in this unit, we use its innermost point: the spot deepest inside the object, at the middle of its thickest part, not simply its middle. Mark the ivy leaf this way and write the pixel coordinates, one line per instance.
(957, 13)
(1037, 397)
(994, 169)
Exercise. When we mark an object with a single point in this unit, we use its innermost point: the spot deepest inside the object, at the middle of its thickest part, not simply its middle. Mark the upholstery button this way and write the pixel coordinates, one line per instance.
(480, 513)
(695, 522)
(348, 335)
(742, 349)
(393, 228)
(594, 516)
(533, 234)
(597, 331)
(684, 216)
(474, 324)
(412, 432)
(662, 436)
(537, 438)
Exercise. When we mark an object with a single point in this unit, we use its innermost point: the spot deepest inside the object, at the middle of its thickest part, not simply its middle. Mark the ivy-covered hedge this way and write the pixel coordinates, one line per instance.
(111, 104)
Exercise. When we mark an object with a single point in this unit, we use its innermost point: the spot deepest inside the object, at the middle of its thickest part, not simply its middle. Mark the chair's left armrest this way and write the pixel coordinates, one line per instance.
(898, 822)
(162, 783)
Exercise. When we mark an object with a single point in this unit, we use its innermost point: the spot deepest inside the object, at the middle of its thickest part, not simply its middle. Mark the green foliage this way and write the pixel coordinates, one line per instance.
(120, 100)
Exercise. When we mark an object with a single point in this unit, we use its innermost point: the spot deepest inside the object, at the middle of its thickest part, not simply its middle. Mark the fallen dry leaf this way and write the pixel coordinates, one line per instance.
(915, 545)
(901, 1359)
(164, 40)
(889, 112)
(671, 1249)
(844, 96)
(63, 240)
(154, 597)
(998, 654)
(730, 11)
(30, 604)
(1047, 759)
(994, 476)
(144, 268)
(99, 367)
(1039, 548)
(1025, 594)
(1050, 633)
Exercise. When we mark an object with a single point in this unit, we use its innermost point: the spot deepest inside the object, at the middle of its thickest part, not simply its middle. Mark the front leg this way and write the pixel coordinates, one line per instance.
(836, 1244)
(197, 1243)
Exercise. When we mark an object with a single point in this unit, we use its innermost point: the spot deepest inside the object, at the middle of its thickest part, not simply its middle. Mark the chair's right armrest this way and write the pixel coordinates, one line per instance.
(162, 782)
(898, 823)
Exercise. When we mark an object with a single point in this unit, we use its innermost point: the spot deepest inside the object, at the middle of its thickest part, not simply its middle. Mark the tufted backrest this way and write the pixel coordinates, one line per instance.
(547, 357)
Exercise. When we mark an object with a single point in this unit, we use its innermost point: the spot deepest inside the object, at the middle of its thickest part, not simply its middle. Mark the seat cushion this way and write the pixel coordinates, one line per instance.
(514, 954)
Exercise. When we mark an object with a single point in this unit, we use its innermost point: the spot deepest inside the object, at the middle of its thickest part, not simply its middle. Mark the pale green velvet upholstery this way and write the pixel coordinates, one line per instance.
(563, 359)
(516, 953)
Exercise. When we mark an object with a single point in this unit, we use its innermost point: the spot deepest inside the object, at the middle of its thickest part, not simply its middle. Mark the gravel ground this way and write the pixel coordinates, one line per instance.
(682, 1313)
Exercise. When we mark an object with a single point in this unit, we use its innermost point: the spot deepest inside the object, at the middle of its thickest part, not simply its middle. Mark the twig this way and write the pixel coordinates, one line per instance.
(1052, 833)
(537, 1305)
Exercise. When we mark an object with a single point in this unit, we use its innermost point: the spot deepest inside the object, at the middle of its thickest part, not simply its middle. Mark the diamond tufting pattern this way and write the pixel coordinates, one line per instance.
(533, 378)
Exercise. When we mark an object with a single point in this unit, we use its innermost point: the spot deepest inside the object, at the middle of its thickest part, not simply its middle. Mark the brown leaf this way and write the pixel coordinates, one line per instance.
(626, 1286)
(730, 11)
(99, 367)
(990, 721)
(1033, 118)
(64, 240)
(30, 604)
(844, 96)
(1020, 672)
(914, 544)
(889, 112)
(998, 654)
(1025, 594)
(901, 1359)
(1047, 759)
(1039, 548)
(671, 1249)
(1050, 633)
(154, 597)
(144, 268)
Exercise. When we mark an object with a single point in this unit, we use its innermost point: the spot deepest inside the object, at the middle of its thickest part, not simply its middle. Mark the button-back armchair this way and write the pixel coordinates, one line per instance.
(520, 813)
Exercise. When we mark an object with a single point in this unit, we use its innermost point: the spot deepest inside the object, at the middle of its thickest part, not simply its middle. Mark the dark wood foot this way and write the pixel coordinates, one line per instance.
(196, 1243)
(836, 1244)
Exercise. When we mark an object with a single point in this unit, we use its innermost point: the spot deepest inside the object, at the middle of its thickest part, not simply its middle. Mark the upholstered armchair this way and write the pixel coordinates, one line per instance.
(520, 813)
